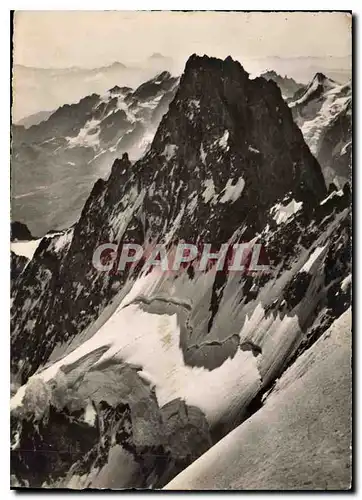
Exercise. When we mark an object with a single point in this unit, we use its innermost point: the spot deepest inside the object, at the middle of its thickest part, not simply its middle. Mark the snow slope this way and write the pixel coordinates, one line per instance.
(323, 113)
(299, 439)
(25, 248)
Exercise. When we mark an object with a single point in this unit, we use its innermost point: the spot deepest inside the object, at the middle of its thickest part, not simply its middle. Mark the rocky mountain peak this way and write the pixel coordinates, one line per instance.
(222, 124)
(164, 75)
(320, 77)
(320, 80)
(120, 90)
(120, 165)
(214, 67)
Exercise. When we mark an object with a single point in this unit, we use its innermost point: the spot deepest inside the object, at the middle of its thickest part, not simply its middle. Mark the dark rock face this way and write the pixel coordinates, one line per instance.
(66, 443)
(227, 163)
(17, 264)
(20, 231)
(263, 145)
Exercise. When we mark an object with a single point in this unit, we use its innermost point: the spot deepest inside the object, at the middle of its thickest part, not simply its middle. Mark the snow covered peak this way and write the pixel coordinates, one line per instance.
(323, 79)
(215, 139)
(318, 85)
(78, 144)
(323, 113)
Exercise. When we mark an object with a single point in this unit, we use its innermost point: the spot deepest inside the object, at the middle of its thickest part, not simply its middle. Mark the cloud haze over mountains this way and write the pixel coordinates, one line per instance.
(90, 52)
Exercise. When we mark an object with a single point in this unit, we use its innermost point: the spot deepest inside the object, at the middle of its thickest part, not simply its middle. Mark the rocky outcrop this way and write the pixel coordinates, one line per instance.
(17, 265)
(20, 232)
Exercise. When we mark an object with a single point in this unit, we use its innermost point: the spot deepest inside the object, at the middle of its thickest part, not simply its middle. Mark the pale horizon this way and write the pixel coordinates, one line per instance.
(92, 39)
(296, 44)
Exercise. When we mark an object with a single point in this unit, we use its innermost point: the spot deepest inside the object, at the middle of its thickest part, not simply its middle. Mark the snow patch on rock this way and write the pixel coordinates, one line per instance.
(169, 151)
(313, 257)
(223, 141)
(281, 213)
(209, 193)
(232, 191)
(88, 136)
(332, 195)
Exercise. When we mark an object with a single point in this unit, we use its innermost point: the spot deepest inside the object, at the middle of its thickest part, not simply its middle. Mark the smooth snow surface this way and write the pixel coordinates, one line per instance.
(298, 439)
(25, 248)
(152, 342)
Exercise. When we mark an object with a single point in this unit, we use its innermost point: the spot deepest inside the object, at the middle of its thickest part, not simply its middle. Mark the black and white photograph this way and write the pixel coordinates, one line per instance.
(181, 250)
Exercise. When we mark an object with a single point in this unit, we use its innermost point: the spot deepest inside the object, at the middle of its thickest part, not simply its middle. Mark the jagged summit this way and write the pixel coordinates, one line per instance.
(118, 90)
(213, 63)
(163, 81)
(313, 91)
(321, 78)
(321, 82)
(222, 124)
(287, 85)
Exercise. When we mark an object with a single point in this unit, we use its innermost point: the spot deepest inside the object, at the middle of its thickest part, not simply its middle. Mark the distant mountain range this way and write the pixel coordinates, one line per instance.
(45, 89)
(287, 85)
(34, 119)
(55, 163)
(302, 69)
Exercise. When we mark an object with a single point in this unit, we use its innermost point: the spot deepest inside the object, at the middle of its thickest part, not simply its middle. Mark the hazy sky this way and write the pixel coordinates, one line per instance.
(98, 38)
